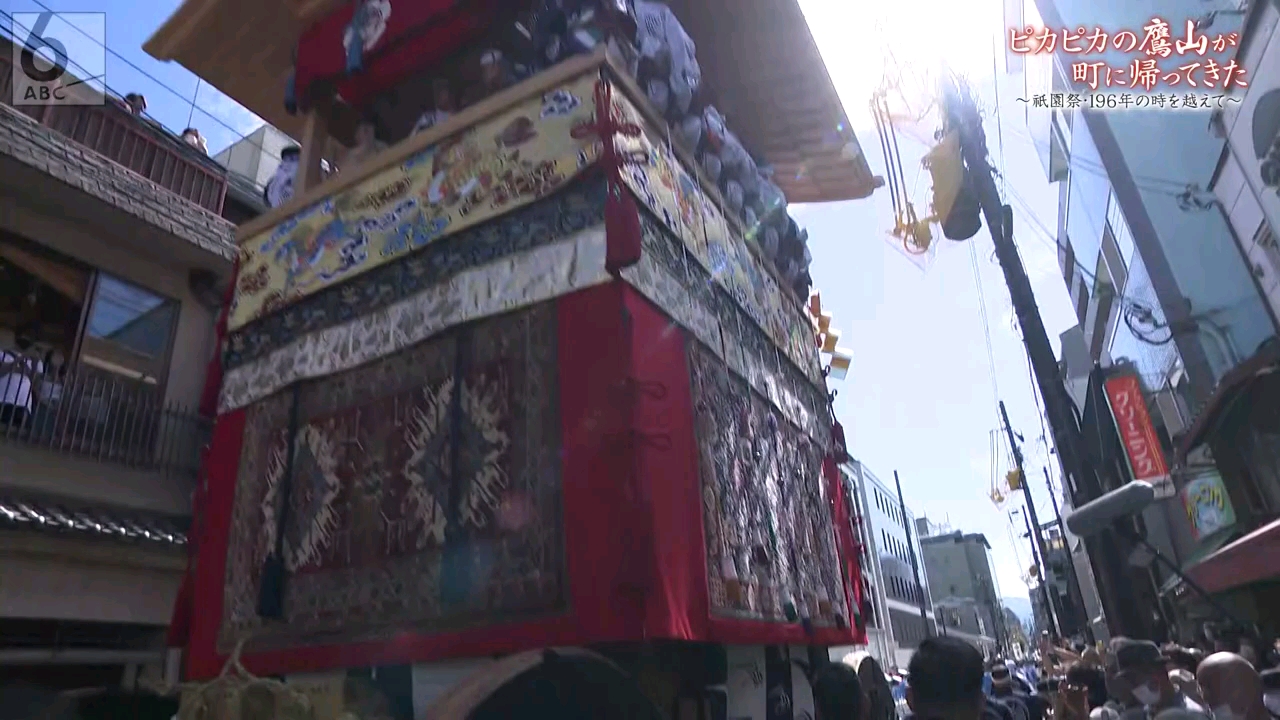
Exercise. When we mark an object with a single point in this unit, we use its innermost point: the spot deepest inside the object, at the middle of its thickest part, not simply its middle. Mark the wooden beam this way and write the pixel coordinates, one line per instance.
(315, 137)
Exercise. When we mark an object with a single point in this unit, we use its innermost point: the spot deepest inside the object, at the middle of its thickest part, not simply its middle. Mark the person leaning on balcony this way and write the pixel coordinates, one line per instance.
(18, 371)
(192, 137)
(136, 102)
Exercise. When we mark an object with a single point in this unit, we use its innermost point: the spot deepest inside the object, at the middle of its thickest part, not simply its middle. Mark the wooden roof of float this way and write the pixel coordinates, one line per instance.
(758, 58)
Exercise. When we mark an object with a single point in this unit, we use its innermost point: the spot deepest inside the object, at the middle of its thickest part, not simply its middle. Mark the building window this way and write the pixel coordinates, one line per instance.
(1082, 302)
(42, 297)
(130, 329)
(1266, 240)
(1116, 265)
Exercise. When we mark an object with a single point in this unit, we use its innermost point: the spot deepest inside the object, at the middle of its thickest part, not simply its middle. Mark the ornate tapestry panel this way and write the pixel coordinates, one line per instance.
(508, 161)
(576, 207)
(675, 282)
(666, 189)
(514, 281)
(771, 551)
(425, 492)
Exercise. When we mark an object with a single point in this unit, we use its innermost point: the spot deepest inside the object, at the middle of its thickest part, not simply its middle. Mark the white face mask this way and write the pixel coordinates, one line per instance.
(1272, 701)
(1146, 694)
(1224, 712)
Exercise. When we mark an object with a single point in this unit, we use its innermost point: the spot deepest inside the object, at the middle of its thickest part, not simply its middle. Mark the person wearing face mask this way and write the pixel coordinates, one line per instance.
(1231, 687)
(1182, 671)
(1120, 703)
(1145, 669)
(1271, 691)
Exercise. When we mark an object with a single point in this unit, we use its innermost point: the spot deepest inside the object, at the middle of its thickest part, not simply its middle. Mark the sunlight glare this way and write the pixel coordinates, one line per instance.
(905, 41)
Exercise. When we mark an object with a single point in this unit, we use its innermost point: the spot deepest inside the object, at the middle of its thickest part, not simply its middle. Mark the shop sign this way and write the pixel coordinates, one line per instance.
(1141, 445)
(1208, 505)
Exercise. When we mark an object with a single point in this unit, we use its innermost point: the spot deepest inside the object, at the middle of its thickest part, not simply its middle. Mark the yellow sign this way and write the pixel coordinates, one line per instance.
(489, 169)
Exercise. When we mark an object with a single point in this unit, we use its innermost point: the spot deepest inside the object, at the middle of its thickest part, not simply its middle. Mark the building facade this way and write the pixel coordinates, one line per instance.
(1232, 445)
(114, 256)
(1166, 262)
(888, 540)
(960, 573)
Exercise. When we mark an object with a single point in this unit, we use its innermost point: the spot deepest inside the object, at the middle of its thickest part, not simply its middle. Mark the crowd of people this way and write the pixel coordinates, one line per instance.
(948, 679)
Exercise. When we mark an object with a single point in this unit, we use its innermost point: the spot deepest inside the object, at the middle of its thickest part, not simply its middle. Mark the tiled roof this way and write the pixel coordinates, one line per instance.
(17, 513)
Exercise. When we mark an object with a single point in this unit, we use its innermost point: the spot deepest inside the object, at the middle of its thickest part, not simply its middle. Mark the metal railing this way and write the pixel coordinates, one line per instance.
(133, 142)
(96, 415)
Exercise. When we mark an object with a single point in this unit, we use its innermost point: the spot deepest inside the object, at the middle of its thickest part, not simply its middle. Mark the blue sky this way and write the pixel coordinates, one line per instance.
(919, 398)
(168, 87)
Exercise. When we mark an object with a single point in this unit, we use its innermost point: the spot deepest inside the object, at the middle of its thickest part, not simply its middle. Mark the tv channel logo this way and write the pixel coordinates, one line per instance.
(59, 58)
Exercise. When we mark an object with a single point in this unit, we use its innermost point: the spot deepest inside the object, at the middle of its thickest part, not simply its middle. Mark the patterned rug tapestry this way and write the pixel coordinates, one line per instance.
(770, 540)
(424, 495)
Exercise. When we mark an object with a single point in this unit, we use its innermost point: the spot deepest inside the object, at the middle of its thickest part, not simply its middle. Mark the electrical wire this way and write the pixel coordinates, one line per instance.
(181, 96)
(1185, 193)
(986, 325)
(995, 84)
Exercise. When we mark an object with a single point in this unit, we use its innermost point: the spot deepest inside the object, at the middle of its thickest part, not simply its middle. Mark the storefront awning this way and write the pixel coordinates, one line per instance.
(1207, 547)
(1231, 388)
(1246, 561)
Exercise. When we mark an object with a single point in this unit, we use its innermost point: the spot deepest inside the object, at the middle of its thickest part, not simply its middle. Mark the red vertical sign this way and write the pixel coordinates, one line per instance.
(1141, 445)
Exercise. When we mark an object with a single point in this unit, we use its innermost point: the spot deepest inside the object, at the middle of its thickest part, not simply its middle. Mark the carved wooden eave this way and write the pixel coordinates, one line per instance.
(758, 59)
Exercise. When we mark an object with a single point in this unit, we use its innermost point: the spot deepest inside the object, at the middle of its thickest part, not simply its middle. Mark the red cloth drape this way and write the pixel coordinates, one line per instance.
(846, 546)
(179, 633)
(213, 371)
(669, 503)
(222, 463)
(418, 36)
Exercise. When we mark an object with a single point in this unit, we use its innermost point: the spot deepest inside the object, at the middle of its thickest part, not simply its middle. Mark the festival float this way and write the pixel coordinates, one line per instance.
(520, 357)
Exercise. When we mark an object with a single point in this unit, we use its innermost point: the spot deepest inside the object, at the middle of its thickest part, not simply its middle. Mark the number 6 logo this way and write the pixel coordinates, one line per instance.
(36, 41)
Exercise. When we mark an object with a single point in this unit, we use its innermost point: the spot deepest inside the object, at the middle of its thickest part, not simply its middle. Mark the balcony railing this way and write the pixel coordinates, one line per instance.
(136, 143)
(88, 413)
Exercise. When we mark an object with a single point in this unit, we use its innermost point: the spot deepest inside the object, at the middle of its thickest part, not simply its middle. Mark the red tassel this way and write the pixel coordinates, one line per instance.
(621, 213)
(621, 228)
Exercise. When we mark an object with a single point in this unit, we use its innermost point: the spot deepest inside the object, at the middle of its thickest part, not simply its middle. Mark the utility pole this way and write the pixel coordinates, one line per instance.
(1033, 524)
(1080, 473)
(1038, 559)
(915, 564)
(1073, 577)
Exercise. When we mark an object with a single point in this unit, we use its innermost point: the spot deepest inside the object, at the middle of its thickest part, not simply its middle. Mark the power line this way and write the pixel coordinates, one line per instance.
(235, 131)
(1143, 182)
